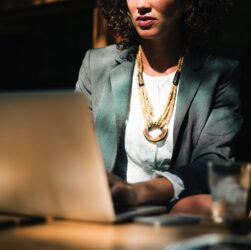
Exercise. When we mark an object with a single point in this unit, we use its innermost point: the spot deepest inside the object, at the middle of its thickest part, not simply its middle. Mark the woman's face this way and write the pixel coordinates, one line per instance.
(155, 18)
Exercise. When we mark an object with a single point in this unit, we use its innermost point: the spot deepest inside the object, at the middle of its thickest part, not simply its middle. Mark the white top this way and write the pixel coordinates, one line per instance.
(147, 160)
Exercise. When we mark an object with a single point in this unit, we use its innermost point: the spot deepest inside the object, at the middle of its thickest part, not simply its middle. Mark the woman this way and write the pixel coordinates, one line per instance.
(161, 106)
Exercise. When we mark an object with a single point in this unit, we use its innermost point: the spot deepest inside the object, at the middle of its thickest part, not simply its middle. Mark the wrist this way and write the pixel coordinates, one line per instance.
(157, 191)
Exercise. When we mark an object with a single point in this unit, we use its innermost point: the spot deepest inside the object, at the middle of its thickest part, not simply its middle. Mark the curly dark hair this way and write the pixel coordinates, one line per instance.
(202, 21)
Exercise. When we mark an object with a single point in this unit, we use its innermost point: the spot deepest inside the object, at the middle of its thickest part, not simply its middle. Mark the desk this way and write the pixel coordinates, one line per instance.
(71, 235)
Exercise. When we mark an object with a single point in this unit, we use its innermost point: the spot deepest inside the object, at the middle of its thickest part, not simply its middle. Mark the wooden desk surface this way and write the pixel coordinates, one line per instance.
(73, 235)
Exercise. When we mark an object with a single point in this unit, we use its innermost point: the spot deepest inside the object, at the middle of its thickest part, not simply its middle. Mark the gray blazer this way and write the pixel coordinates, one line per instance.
(207, 118)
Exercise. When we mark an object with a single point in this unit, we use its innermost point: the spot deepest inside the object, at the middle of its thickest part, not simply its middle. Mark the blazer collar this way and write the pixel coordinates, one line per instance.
(121, 77)
(191, 77)
(120, 83)
(127, 55)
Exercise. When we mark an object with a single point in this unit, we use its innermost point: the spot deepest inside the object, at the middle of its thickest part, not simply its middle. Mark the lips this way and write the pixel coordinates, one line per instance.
(145, 21)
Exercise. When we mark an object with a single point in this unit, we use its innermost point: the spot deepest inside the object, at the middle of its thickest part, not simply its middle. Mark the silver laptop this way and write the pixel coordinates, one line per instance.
(50, 164)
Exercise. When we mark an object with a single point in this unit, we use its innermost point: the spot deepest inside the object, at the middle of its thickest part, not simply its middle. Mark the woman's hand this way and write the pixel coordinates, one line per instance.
(122, 192)
(155, 191)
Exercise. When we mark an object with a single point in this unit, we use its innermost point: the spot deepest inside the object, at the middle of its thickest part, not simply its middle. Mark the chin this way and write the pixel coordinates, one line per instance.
(147, 34)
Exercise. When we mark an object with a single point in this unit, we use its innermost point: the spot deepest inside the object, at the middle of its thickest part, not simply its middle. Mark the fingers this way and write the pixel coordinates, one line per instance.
(124, 193)
(121, 191)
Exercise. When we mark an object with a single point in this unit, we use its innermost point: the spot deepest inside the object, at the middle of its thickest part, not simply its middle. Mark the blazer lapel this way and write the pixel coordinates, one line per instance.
(121, 81)
(189, 83)
(110, 123)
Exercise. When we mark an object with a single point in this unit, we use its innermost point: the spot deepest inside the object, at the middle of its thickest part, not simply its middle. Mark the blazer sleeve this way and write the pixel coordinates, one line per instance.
(217, 137)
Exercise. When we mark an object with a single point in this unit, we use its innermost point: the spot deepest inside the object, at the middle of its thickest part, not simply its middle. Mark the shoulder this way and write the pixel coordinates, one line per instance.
(212, 65)
(103, 56)
(105, 53)
(105, 59)
(222, 66)
(98, 63)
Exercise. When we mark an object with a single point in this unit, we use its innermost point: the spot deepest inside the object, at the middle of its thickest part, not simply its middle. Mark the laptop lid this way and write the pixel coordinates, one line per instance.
(50, 162)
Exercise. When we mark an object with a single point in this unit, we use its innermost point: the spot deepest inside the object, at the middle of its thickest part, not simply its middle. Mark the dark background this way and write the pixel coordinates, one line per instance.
(42, 48)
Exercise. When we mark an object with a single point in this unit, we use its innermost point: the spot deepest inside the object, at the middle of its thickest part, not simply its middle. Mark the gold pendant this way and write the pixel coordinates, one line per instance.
(159, 137)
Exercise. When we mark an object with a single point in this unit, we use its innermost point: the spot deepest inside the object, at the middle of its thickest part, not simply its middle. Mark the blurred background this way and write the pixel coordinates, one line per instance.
(42, 44)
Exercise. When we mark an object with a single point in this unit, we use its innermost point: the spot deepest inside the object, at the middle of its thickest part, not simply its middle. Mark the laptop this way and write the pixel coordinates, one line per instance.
(50, 163)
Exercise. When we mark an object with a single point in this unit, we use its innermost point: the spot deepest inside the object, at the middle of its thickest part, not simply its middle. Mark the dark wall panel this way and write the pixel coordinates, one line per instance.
(44, 51)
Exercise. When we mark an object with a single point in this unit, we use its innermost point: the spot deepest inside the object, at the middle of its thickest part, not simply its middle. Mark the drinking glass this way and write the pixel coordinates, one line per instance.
(230, 189)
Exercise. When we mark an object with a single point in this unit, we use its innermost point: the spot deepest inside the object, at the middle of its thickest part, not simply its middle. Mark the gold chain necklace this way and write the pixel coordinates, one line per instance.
(161, 124)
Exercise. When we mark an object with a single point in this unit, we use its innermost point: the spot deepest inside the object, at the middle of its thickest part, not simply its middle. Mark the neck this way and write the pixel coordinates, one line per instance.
(161, 57)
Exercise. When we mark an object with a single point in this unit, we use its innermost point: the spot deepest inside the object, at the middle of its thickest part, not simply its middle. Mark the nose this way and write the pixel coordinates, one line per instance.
(143, 6)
